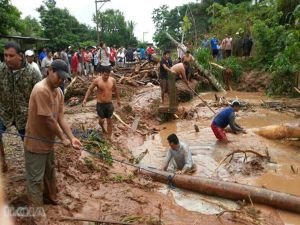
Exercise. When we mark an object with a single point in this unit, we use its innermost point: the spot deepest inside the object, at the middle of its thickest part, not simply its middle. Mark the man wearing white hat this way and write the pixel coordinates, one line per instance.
(29, 54)
(223, 119)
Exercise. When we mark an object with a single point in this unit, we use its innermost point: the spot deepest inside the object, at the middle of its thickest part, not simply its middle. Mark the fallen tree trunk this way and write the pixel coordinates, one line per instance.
(206, 73)
(229, 190)
(279, 131)
(184, 94)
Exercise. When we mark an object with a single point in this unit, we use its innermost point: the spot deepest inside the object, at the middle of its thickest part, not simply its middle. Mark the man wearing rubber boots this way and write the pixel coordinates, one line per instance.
(17, 79)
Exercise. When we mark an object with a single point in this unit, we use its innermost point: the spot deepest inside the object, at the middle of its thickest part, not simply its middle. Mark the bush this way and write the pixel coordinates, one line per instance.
(203, 56)
(233, 63)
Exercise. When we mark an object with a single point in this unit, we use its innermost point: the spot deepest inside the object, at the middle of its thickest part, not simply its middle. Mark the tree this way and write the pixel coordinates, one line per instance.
(31, 27)
(9, 17)
(114, 29)
(172, 21)
(62, 28)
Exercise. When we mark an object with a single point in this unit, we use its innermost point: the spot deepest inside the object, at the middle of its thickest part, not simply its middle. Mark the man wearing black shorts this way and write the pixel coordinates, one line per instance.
(164, 69)
(106, 85)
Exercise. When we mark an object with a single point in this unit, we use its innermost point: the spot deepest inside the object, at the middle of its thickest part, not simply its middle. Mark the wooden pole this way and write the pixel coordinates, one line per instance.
(229, 190)
(93, 220)
(202, 100)
(206, 73)
(172, 92)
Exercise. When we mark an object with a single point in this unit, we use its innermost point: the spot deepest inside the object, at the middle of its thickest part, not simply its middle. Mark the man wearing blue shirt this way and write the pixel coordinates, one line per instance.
(43, 54)
(214, 46)
(223, 119)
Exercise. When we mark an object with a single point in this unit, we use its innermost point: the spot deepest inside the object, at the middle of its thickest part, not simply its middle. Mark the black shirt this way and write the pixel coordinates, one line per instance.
(163, 73)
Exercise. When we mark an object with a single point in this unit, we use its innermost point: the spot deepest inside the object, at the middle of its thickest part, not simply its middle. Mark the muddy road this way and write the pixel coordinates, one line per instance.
(90, 188)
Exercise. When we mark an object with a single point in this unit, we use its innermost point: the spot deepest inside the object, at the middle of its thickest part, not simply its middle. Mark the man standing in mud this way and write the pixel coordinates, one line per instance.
(164, 69)
(17, 79)
(187, 57)
(179, 156)
(105, 86)
(46, 122)
(223, 119)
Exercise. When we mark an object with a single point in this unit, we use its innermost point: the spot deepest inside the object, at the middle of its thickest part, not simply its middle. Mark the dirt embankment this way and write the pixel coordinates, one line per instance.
(253, 81)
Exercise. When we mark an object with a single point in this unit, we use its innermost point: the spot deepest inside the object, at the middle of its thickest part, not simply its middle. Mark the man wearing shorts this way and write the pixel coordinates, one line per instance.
(103, 58)
(187, 57)
(223, 119)
(164, 69)
(105, 87)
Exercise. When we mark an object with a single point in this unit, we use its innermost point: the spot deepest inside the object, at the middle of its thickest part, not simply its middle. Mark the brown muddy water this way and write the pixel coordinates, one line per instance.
(207, 153)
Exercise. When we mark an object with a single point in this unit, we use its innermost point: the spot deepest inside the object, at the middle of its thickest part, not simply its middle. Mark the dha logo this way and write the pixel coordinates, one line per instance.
(25, 211)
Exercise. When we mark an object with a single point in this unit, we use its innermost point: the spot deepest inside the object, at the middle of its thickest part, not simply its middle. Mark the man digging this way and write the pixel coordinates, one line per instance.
(223, 119)
(105, 85)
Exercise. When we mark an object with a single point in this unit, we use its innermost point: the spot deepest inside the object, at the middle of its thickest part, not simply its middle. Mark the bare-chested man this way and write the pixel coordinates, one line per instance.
(189, 59)
(180, 70)
(105, 87)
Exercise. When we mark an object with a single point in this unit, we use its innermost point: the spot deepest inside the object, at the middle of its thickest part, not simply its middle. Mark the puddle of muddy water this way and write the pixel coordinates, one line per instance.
(207, 153)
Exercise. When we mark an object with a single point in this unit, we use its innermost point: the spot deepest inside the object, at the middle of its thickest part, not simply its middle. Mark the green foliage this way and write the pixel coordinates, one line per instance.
(285, 65)
(115, 30)
(62, 28)
(142, 45)
(190, 18)
(186, 24)
(227, 19)
(95, 144)
(276, 41)
(120, 178)
(203, 56)
(10, 18)
(31, 27)
(233, 63)
(148, 220)
(282, 77)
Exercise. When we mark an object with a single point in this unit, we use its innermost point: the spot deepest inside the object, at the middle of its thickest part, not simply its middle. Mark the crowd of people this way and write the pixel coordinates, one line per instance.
(90, 60)
(237, 46)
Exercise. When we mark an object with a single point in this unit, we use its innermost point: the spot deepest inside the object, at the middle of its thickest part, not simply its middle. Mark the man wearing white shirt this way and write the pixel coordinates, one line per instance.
(29, 54)
(179, 156)
(103, 57)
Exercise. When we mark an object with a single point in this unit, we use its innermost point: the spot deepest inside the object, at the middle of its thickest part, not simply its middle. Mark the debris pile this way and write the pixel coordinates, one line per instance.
(136, 75)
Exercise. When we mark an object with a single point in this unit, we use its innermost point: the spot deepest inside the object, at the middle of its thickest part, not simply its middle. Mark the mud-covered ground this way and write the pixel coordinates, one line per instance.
(90, 188)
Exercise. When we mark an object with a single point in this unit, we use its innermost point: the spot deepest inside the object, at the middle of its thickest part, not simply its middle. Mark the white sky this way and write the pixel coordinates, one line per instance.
(139, 11)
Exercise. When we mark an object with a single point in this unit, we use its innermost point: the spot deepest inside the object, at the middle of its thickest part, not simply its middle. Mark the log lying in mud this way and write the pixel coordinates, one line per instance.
(185, 94)
(279, 132)
(229, 190)
(206, 73)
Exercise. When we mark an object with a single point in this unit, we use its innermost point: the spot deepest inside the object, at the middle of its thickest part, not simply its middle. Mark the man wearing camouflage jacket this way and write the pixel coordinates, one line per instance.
(17, 79)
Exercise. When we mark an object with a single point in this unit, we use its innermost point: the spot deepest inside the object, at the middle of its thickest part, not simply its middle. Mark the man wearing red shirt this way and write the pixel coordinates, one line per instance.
(112, 56)
(150, 51)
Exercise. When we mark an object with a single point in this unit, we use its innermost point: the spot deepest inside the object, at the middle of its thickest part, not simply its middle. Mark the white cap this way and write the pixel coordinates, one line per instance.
(29, 53)
(69, 47)
(235, 103)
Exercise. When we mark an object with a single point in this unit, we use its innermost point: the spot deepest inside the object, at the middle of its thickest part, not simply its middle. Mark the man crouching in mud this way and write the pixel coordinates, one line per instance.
(223, 119)
(105, 87)
(180, 156)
